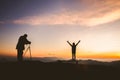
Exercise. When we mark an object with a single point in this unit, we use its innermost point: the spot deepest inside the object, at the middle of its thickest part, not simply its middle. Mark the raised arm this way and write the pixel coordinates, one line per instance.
(69, 43)
(78, 42)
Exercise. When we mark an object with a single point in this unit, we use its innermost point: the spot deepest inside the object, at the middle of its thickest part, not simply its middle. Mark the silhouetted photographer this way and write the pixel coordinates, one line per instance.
(73, 45)
(22, 41)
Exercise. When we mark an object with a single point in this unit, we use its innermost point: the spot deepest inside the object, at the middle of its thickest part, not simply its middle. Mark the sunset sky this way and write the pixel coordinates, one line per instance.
(50, 23)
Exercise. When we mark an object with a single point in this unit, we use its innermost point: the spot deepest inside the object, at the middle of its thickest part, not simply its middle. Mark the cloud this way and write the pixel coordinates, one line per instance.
(2, 22)
(94, 12)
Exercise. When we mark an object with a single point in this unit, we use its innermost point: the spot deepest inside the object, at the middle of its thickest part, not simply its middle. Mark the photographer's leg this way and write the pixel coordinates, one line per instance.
(19, 55)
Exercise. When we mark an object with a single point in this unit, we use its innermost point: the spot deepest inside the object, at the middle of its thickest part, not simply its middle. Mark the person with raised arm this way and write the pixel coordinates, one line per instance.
(73, 46)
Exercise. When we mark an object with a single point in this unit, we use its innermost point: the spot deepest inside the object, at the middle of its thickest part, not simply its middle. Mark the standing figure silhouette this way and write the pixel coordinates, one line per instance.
(73, 46)
(21, 46)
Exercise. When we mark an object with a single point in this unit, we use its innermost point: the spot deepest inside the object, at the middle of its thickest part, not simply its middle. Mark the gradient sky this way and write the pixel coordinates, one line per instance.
(50, 23)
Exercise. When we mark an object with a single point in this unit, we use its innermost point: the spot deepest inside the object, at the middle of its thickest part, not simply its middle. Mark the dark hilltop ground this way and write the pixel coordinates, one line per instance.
(60, 70)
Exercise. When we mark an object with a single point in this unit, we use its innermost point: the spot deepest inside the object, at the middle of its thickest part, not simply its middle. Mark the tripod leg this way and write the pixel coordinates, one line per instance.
(30, 54)
(26, 51)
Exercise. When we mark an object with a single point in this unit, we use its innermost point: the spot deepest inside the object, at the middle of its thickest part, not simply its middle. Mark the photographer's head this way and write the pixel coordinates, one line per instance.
(25, 35)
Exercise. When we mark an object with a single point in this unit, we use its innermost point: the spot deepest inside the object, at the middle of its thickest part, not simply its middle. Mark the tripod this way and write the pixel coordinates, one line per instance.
(29, 52)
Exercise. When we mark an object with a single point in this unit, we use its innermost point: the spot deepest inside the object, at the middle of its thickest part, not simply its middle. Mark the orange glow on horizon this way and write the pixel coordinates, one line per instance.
(67, 55)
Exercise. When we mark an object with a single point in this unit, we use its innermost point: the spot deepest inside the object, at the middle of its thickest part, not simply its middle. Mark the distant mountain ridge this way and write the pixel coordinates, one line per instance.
(46, 59)
(56, 59)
